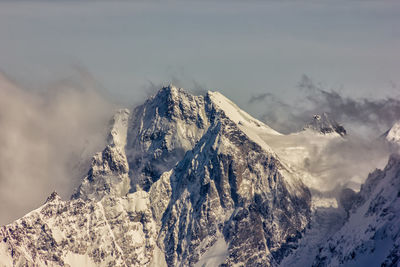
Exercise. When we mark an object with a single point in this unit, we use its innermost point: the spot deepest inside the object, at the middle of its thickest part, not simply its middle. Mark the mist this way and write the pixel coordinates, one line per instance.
(47, 139)
(334, 163)
(369, 117)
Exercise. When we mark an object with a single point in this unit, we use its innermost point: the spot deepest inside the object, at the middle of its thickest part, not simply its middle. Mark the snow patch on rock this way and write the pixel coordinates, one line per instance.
(393, 135)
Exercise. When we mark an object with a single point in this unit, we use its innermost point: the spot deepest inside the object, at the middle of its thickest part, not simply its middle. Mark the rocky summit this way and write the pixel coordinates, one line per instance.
(324, 124)
(190, 180)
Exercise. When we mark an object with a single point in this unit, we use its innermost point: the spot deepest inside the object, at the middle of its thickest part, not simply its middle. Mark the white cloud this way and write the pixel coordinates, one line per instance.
(47, 139)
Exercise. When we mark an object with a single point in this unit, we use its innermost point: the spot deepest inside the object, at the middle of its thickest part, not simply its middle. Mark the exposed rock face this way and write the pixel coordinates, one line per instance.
(371, 236)
(229, 187)
(161, 131)
(108, 174)
(324, 124)
(183, 177)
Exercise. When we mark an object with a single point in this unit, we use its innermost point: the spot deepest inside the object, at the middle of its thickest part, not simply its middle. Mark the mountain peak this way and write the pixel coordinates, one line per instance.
(236, 114)
(53, 197)
(324, 124)
(170, 88)
(170, 91)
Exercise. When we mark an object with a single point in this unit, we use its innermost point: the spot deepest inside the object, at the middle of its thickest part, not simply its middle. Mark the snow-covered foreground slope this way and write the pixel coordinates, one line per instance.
(367, 235)
(110, 232)
(371, 236)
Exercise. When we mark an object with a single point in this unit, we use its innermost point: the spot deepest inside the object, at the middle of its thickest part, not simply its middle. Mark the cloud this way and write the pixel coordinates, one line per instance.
(377, 114)
(328, 165)
(334, 163)
(365, 116)
(260, 97)
(347, 162)
(47, 139)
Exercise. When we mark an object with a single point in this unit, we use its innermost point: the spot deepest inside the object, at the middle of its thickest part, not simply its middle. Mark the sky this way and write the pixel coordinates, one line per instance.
(240, 48)
(66, 65)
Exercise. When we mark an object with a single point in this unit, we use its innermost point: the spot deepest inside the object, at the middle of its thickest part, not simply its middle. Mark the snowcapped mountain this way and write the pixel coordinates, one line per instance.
(324, 124)
(195, 181)
(184, 180)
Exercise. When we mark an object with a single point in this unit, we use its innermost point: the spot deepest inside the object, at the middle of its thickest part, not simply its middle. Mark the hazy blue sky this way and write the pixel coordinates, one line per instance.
(241, 48)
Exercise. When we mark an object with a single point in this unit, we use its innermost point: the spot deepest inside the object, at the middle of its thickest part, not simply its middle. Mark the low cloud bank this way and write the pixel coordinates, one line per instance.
(339, 162)
(47, 139)
(362, 116)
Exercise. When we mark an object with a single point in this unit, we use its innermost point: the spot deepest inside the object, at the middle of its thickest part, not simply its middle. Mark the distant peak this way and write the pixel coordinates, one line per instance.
(324, 124)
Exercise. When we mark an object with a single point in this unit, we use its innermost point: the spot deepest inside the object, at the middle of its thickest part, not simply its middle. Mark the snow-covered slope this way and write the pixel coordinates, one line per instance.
(364, 231)
(393, 134)
(184, 180)
(116, 231)
(371, 236)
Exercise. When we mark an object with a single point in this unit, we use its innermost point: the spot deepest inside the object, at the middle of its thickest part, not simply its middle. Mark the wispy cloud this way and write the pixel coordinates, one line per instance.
(361, 115)
(47, 139)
